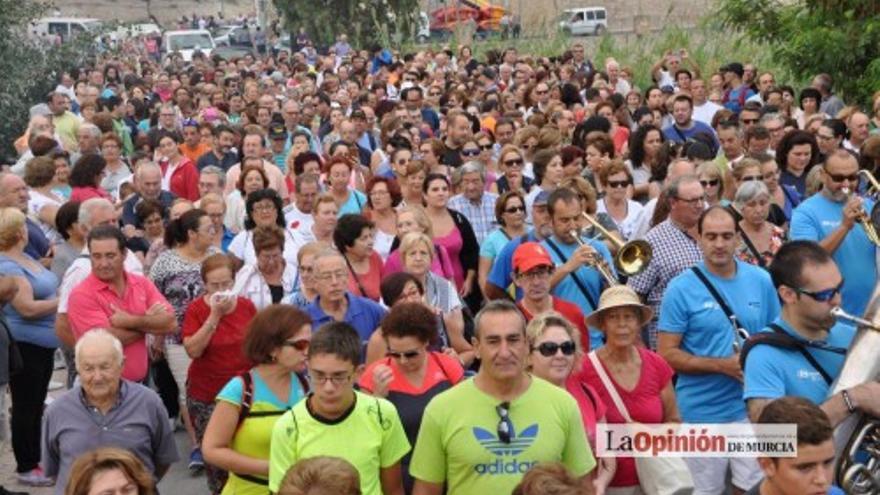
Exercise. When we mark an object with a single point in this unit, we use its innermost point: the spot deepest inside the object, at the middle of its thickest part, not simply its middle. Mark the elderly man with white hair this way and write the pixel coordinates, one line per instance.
(620, 85)
(105, 410)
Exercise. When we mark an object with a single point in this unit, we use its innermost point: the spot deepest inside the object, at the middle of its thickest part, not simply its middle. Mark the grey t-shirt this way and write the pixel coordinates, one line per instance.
(65, 254)
(137, 423)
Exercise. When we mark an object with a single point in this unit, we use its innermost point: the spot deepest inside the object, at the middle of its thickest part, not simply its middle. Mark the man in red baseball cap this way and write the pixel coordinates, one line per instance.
(532, 268)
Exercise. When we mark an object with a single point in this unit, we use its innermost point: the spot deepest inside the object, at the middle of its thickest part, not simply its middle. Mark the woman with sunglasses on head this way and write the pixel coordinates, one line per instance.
(511, 162)
(510, 212)
(411, 374)
(555, 355)
(213, 333)
(238, 434)
(641, 378)
(616, 181)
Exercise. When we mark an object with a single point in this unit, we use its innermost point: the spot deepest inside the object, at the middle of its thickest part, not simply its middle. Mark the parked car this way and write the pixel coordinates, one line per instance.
(187, 42)
(65, 27)
(584, 21)
(232, 36)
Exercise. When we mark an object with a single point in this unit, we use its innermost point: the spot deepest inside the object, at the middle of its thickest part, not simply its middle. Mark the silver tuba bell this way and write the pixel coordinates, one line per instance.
(857, 438)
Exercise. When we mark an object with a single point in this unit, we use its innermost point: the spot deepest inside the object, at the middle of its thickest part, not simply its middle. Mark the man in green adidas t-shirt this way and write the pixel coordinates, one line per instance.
(337, 421)
(482, 435)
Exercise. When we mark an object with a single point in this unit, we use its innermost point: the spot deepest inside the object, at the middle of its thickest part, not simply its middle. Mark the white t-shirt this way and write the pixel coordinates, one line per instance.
(36, 202)
(242, 246)
(628, 225)
(296, 219)
(706, 112)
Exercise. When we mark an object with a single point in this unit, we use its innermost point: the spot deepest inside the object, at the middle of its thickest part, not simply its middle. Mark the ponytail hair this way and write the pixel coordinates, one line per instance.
(177, 231)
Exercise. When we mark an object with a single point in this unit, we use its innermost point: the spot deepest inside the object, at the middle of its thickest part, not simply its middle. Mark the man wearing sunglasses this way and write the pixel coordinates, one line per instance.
(831, 218)
(533, 267)
(705, 317)
(809, 284)
(484, 434)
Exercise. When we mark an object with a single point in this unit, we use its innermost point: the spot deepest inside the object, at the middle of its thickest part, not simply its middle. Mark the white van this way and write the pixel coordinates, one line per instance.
(186, 42)
(65, 27)
(584, 21)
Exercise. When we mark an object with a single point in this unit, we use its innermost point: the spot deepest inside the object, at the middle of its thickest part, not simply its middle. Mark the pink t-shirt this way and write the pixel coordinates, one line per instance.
(91, 304)
(369, 281)
(453, 243)
(643, 402)
(441, 265)
(591, 405)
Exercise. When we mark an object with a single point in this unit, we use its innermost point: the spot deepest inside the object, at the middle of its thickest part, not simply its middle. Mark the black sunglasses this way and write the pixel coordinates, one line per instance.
(514, 209)
(821, 295)
(517, 162)
(470, 152)
(708, 183)
(505, 425)
(398, 355)
(486, 147)
(300, 345)
(618, 184)
(841, 178)
(549, 349)
(752, 177)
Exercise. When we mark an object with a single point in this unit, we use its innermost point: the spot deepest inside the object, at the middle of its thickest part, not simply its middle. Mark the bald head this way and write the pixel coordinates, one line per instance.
(148, 180)
(679, 168)
(13, 192)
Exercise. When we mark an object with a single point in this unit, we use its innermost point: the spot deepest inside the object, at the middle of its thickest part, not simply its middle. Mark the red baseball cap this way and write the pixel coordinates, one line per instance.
(530, 255)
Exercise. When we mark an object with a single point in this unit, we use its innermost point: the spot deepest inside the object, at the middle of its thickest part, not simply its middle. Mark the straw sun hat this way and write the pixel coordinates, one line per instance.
(616, 297)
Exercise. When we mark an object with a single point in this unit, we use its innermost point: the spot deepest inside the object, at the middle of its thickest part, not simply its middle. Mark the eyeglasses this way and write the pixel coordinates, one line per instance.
(749, 178)
(821, 295)
(515, 209)
(470, 152)
(332, 276)
(536, 273)
(486, 147)
(841, 178)
(749, 121)
(823, 137)
(541, 92)
(618, 184)
(692, 202)
(549, 349)
(263, 208)
(398, 355)
(515, 163)
(300, 345)
(709, 183)
(505, 425)
(337, 379)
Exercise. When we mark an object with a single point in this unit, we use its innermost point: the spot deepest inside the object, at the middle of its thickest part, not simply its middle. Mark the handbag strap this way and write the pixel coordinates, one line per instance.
(751, 247)
(577, 281)
(712, 290)
(357, 279)
(612, 391)
(807, 355)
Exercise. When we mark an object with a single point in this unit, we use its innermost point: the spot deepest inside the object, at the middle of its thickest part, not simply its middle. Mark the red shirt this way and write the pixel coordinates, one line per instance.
(91, 305)
(80, 194)
(223, 359)
(370, 281)
(571, 312)
(184, 179)
(642, 402)
(591, 405)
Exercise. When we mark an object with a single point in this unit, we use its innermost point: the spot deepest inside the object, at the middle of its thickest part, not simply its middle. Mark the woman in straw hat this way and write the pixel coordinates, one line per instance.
(641, 378)
(556, 354)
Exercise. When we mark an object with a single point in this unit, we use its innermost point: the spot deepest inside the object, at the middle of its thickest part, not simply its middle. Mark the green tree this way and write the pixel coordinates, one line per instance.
(29, 68)
(838, 37)
(387, 22)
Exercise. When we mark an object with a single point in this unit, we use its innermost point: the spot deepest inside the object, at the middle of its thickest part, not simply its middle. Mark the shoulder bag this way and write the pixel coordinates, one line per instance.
(657, 475)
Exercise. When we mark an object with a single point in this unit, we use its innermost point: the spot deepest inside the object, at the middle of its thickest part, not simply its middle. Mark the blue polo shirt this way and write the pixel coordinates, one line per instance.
(363, 314)
(501, 274)
(589, 278)
(689, 309)
(773, 372)
(814, 220)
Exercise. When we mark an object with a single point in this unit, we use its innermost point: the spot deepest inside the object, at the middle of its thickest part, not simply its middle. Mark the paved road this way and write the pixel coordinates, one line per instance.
(178, 481)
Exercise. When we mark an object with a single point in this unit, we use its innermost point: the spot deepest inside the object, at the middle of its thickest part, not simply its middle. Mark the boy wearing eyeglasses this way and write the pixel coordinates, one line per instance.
(335, 420)
(484, 434)
(809, 285)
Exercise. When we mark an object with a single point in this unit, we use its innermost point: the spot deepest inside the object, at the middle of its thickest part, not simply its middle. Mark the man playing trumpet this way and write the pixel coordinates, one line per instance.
(832, 217)
(576, 278)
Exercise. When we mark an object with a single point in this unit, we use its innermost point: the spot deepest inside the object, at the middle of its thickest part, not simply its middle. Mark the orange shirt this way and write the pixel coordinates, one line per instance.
(194, 153)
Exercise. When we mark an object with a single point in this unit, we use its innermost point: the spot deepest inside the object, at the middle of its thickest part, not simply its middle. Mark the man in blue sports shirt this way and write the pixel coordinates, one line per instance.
(830, 217)
(808, 283)
(701, 315)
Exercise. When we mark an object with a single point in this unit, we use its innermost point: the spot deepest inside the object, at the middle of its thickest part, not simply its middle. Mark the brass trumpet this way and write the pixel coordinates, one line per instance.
(632, 257)
(597, 262)
(867, 219)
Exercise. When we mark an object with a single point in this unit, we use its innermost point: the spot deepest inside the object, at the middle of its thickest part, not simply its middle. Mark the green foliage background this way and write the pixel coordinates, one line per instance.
(28, 69)
(840, 37)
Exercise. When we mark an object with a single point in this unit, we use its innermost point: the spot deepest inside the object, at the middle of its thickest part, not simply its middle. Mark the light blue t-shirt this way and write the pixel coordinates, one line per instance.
(355, 204)
(37, 331)
(773, 372)
(589, 278)
(814, 220)
(493, 244)
(501, 274)
(232, 393)
(689, 309)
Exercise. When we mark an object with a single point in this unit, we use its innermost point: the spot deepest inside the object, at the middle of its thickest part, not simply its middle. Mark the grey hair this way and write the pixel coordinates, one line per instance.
(94, 130)
(748, 191)
(328, 252)
(215, 170)
(99, 335)
(138, 172)
(88, 208)
(499, 306)
(676, 184)
(772, 116)
(473, 167)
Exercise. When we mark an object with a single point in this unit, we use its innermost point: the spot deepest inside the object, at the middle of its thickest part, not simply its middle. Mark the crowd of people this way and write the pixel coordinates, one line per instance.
(379, 272)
